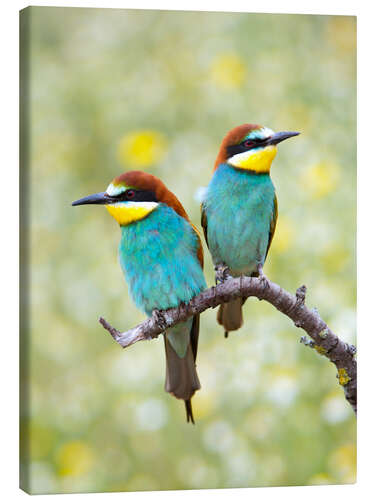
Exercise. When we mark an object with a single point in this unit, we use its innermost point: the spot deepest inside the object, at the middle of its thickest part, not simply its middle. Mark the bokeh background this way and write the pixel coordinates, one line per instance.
(112, 90)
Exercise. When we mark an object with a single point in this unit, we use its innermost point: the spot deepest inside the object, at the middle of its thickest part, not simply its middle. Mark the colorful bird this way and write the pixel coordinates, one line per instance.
(161, 256)
(239, 208)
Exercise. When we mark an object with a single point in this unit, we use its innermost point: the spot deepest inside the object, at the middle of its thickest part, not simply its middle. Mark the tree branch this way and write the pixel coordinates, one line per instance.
(323, 340)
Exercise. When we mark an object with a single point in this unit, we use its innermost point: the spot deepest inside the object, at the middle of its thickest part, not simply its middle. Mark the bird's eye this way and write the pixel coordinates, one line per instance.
(130, 193)
(248, 143)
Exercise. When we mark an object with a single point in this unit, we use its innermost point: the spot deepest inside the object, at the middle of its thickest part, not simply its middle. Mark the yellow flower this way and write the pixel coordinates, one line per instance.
(321, 478)
(321, 179)
(74, 459)
(228, 71)
(141, 148)
(341, 32)
(284, 235)
(343, 462)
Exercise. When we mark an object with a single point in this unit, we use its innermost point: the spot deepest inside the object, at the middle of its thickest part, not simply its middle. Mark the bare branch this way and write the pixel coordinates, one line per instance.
(324, 341)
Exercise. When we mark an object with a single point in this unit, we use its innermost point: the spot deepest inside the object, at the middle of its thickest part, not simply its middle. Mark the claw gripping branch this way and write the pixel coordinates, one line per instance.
(323, 340)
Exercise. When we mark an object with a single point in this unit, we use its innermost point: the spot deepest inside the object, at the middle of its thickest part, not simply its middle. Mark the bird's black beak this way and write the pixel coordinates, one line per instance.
(94, 199)
(281, 136)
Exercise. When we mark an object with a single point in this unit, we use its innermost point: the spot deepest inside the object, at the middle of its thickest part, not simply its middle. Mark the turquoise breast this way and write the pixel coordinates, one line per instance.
(158, 255)
(239, 208)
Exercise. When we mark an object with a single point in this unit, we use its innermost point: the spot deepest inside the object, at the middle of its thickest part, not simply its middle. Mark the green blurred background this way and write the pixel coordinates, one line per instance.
(112, 90)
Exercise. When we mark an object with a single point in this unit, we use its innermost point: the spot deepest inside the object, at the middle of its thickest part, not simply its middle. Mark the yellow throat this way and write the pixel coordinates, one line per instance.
(257, 161)
(127, 212)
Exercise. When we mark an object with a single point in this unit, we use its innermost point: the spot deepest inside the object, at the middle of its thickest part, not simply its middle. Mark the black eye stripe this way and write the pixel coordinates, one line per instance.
(136, 195)
(254, 142)
(245, 145)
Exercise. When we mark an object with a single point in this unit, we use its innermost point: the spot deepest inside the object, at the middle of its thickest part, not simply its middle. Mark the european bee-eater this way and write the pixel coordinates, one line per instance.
(162, 259)
(239, 209)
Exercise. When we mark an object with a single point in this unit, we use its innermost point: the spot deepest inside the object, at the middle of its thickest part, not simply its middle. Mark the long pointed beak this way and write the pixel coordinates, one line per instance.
(281, 136)
(94, 199)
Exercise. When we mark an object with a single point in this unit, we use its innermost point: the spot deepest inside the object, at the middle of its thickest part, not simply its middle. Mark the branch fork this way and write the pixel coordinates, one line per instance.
(322, 339)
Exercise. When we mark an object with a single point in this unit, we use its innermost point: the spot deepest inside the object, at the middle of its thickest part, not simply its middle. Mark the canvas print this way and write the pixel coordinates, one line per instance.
(187, 243)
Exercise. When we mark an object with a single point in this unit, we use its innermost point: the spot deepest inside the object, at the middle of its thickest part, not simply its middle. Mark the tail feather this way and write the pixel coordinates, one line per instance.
(181, 375)
(189, 411)
(230, 315)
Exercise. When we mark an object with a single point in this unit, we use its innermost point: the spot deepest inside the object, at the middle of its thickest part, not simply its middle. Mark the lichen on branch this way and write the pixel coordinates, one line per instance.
(322, 339)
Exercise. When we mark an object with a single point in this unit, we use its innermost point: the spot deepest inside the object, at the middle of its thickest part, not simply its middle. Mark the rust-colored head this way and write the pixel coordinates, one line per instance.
(251, 147)
(133, 196)
(147, 182)
(233, 137)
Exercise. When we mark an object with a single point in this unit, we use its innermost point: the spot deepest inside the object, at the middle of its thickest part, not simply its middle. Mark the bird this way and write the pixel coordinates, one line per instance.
(239, 209)
(161, 256)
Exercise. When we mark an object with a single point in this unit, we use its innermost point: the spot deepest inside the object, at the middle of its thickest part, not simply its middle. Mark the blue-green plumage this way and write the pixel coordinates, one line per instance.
(239, 209)
(162, 258)
(239, 212)
(158, 255)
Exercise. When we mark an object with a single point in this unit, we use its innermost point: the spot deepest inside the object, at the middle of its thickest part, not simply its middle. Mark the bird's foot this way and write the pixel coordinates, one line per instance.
(221, 273)
(262, 277)
(159, 319)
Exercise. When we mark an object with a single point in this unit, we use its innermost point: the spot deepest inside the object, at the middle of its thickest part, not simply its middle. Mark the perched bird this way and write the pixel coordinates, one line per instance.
(239, 208)
(161, 256)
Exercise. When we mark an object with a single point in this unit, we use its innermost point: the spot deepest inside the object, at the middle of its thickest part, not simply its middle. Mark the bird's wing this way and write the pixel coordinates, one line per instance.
(272, 225)
(204, 223)
(200, 247)
(194, 335)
